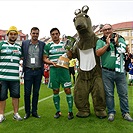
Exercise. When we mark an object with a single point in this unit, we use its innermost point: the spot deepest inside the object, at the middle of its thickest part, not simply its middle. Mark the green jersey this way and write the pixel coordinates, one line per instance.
(54, 51)
(9, 61)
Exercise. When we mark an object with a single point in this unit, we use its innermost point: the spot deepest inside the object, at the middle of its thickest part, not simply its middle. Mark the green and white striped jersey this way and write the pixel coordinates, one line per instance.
(9, 61)
(54, 51)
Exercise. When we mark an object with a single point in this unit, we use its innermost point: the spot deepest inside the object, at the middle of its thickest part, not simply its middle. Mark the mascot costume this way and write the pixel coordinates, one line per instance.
(89, 79)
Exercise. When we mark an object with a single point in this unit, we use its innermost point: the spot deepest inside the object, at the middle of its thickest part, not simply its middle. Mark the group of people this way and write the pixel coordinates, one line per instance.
(35, 53)
(33, 56)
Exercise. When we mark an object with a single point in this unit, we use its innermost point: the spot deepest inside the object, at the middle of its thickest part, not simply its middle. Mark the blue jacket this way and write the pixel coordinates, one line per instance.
(25, 47)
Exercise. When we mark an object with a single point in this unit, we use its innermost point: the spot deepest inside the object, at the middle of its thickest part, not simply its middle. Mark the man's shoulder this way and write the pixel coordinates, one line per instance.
(41, 42)
(25, 41)
(3, 42)
(100, 40)
(49, 44)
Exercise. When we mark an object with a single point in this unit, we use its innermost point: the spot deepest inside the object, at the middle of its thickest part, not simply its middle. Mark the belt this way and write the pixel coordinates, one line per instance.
(37, 68)
(108, 69)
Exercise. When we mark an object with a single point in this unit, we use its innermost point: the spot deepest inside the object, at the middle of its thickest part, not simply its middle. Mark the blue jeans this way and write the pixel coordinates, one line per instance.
(32, 79)
(110, 79)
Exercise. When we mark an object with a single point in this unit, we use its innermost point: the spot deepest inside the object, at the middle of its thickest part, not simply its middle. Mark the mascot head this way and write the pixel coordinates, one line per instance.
(82, 21)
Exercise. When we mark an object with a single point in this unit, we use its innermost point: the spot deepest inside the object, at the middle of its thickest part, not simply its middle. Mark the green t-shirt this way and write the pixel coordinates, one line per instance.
(113, 59)
(108, 58)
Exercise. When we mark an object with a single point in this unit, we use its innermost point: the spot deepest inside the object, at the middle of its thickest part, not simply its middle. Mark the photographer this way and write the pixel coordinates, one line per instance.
(112, 47)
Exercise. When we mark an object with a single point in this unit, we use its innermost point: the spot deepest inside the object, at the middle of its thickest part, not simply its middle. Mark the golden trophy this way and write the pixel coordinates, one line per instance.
(63, 60)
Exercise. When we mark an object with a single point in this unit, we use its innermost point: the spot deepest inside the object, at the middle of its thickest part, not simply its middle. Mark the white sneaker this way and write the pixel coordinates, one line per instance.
(127, 117)
(2, 118)
(17, 117)
(111, 117)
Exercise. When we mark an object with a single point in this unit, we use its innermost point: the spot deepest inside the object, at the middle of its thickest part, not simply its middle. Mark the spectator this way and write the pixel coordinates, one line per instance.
(128, 57)
(111, 47)
(10, 54)
(130, 66)
(72, 65)
(46, 74)
(58, 75)
(32, 51)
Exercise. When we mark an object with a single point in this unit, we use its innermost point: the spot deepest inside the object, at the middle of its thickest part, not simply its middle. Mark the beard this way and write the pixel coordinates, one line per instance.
(12, 41)
(34, 38)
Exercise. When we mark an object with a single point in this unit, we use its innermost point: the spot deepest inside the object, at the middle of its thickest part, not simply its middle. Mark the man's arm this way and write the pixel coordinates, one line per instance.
(102, 50)
(46, 60)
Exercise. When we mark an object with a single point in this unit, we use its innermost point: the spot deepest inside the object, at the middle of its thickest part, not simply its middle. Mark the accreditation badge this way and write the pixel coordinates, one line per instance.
(32, 60)
(112, 53)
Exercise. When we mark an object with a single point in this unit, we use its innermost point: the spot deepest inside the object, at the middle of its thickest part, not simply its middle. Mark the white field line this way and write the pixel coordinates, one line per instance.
(11, 112)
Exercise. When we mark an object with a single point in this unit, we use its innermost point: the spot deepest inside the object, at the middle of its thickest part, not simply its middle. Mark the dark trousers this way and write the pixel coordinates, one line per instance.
(32, 82)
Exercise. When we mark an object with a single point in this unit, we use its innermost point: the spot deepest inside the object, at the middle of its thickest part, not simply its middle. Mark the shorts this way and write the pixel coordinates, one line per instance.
(71, 70)
(59, 76)
(14, 89)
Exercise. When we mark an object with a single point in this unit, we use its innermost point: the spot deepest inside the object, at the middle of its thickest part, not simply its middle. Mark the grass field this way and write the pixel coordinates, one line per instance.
(47, 124)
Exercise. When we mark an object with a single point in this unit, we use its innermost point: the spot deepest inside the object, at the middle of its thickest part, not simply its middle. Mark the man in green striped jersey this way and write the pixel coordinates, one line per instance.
(10, 54)
(58, 75)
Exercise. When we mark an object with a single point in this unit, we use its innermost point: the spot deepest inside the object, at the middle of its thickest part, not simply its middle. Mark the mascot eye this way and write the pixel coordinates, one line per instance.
(77, 11)
(86, 16)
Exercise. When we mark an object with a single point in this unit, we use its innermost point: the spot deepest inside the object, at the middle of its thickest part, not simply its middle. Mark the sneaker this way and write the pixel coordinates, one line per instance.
(111, 117)
(57, 114)
(17, 117)
(70, 115)
(2, 118)
(127, 117)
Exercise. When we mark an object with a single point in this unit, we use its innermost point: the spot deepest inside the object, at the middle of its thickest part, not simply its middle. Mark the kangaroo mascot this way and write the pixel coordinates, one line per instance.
(89, 79)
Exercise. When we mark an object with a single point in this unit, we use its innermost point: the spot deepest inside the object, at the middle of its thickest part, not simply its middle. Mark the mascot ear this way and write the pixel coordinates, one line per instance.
(77, 11)
(85, 9)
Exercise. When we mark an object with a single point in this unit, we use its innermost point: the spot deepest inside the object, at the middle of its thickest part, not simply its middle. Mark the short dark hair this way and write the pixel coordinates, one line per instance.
(107, 24)
(34, 28)
(53, 29)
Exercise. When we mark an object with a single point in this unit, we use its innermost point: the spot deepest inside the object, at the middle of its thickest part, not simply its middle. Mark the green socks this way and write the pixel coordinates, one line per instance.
(56, 99)
(70, 102)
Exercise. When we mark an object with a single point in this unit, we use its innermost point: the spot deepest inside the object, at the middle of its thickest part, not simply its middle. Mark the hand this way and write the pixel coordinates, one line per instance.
(53, 63)
(116, 39)
(108, 39)
(69, 54)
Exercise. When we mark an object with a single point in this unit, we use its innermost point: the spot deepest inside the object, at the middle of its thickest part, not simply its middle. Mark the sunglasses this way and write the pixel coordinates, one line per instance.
(106, 29)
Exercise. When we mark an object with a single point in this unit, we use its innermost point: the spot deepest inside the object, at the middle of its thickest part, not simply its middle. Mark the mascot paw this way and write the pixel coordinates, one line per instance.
(83, 114)
(101, 114)
(101, 117)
